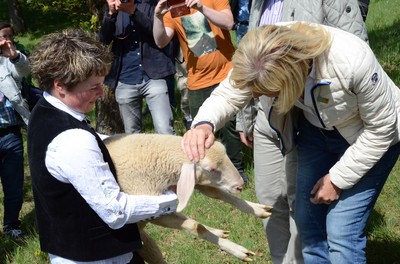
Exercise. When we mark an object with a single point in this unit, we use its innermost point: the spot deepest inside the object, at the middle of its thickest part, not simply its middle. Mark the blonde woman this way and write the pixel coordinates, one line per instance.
(346, 128)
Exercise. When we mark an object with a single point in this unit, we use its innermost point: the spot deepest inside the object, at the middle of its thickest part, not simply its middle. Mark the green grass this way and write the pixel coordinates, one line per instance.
(181, 248)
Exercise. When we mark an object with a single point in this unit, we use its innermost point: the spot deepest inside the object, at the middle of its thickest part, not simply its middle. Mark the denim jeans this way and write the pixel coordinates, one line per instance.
(130, 100)
(334, 233)
(229, 136)
(12, 176)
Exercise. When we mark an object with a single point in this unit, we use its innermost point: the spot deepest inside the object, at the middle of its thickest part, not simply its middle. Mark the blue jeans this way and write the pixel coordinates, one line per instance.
(130, 100)
(334, 233)
(12, 176)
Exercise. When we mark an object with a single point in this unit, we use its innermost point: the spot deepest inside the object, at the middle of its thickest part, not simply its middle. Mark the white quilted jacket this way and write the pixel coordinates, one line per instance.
(351, 92)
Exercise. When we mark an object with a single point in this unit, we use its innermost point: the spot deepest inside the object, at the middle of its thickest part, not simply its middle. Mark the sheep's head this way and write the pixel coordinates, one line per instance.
(215, 170)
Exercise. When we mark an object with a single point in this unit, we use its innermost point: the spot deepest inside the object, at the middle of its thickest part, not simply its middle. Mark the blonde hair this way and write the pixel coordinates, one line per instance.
(273, 58)
(70, 56)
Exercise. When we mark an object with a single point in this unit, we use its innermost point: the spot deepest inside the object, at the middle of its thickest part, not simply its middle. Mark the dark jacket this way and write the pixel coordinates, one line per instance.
(68, 226)
(157, 63)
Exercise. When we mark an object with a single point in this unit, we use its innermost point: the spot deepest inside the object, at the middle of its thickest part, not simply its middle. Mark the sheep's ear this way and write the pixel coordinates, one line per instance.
(185, 186)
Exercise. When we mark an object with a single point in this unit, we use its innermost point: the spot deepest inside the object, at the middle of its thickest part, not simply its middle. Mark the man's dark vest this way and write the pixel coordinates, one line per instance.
(67, 226)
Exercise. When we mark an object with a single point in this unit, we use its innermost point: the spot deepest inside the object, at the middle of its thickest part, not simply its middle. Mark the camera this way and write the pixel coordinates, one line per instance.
(178, 8)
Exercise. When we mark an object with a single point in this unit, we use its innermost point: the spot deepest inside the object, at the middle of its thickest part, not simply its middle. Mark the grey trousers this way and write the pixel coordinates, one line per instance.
(274, 177)
(130, 101)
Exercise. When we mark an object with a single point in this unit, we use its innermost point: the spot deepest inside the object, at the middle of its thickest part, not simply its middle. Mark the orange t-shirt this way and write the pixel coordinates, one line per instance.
(207, 49)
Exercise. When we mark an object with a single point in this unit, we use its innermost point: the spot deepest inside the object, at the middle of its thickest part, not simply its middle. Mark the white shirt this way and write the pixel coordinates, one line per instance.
(74, 157)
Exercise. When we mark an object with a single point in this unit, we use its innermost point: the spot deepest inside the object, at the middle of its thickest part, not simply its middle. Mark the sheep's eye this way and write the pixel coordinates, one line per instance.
(210, 169)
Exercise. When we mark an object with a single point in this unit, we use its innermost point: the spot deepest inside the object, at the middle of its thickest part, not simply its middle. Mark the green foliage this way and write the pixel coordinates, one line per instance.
(383, 24)
(49, 16)
(54, 5)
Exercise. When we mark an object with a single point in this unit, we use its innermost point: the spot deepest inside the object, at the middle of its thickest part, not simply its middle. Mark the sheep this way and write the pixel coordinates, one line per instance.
(150, 164)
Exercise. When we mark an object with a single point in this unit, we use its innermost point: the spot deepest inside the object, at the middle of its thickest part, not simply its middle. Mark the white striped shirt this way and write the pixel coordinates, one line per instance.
(272, 12)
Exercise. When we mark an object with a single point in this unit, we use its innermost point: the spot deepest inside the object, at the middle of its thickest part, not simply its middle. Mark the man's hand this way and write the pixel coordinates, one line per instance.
(128, 7)
(8, 49)
(195, 4)
(196, 140)
(248, 141)
(161, 9)
(111, 7)
(325, 191)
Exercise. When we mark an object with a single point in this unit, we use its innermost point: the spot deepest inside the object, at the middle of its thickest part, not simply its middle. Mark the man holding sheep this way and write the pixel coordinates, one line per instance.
(82, 215)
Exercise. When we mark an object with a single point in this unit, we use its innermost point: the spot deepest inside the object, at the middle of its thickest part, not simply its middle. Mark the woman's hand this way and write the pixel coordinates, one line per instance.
(325, 191)
(196, 140)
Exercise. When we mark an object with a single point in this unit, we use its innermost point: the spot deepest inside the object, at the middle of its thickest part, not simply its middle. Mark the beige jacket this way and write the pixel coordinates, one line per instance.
(358, 99)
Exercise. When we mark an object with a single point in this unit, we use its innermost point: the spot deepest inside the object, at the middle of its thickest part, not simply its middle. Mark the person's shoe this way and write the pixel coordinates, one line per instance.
(245, 178)
(14, 233)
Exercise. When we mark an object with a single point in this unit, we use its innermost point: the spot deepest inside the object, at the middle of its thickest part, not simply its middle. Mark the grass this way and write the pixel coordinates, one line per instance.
(383, 228)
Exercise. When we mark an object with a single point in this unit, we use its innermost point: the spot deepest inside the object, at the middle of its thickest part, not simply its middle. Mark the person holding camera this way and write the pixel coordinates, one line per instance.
(140, 69)
(202, 28)
(14, 113)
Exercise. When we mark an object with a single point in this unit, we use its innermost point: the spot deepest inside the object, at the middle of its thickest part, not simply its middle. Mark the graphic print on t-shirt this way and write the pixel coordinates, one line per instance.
(201, 39)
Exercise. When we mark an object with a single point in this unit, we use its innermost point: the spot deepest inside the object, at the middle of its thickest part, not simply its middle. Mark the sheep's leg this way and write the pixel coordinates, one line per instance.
(215, 236)
(256, 209)
(180, 221)
(150, 252)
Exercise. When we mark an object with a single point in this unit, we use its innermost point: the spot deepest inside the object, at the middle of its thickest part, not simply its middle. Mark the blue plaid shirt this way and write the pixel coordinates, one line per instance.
(8, 116)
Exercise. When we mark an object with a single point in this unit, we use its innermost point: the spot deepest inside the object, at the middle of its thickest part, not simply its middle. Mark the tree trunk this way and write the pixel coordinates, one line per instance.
(16, 20)
(95, 7)
(108, 119)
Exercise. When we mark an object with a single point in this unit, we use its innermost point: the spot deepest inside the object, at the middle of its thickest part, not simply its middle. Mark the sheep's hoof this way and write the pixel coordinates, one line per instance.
(248, 259)
(266, 215)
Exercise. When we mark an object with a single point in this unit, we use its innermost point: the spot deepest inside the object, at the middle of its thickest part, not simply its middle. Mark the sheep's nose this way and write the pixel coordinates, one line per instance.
(239, 188)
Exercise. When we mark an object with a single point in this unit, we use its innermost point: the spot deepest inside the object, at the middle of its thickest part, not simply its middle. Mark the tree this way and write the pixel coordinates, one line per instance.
(14, 12)
(108, 119)
(89, 14)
